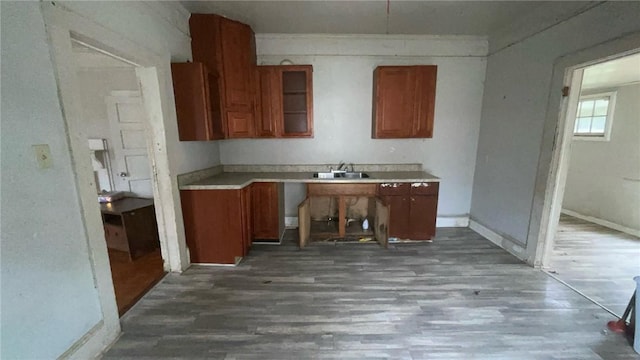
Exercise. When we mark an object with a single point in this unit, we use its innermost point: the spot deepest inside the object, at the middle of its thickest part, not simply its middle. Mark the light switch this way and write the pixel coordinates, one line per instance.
(43, 156)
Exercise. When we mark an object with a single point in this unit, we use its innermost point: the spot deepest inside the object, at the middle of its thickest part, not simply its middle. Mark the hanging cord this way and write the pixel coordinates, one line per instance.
(388, 10)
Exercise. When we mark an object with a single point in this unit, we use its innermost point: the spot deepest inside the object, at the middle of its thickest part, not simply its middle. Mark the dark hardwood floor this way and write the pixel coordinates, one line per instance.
(132, 279)
(460, 297)
(597, 261)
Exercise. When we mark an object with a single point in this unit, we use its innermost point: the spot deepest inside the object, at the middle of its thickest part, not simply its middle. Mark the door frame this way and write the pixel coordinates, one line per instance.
(556, 141)
(153, 73)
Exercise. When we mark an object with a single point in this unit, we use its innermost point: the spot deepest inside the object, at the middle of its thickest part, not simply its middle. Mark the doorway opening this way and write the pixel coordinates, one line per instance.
(593, 238)
(116, 125)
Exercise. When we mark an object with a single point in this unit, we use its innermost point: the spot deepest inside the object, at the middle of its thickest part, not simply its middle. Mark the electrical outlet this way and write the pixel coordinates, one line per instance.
(43, 156)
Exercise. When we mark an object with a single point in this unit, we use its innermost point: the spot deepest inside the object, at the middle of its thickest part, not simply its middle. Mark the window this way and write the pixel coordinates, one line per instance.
(595, 113)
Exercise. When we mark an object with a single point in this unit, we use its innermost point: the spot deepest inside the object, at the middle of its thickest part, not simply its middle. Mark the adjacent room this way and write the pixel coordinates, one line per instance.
(597, 245)
(319, 179)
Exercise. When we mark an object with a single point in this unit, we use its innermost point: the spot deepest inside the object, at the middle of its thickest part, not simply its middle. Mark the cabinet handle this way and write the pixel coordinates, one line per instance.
(413, 199)
(422, 184)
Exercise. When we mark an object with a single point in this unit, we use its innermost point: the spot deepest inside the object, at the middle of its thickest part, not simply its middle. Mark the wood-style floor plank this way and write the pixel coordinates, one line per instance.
(597, 261)
(132, 279)
(460, 297)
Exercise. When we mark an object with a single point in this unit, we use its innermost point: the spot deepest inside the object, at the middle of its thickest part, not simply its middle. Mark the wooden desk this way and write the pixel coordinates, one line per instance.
(130, 226)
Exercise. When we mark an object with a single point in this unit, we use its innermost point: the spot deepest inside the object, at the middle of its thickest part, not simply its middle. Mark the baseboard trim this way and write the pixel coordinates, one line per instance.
(93, 344)
(509, 245)
(291, 222)
(601, 222)
(452, 221)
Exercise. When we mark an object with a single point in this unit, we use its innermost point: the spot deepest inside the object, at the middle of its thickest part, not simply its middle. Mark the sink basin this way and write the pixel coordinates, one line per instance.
(340, 175)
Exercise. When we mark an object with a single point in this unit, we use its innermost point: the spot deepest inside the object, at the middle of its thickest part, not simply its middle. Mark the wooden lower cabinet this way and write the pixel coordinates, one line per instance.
(217, 224)
(399, 218)
(413, 208)
(267, 201)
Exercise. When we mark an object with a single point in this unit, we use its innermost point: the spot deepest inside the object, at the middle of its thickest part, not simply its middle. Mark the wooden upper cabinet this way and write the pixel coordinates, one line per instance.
(403, 101)
(227, 47)
(269, 104)
(197, 102)
(237, 63)
(285, 101)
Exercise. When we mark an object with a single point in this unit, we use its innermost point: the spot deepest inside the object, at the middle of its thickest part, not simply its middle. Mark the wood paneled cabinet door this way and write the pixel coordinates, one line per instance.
(197, 101)
(217, 225)
(285, 101)
(413, 208)
(403, 101)
(423, 197)
(228, 48)
(267, 211)
(399, 215)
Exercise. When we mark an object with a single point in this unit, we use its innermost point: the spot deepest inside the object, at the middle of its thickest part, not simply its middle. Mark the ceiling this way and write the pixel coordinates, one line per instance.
(612, 73)
(477, 18)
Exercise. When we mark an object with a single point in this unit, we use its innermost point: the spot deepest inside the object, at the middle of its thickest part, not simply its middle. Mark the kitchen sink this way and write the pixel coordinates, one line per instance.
(340, 175)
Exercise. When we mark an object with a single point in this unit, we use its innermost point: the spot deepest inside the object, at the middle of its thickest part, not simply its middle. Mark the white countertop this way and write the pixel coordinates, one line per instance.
(238, 180)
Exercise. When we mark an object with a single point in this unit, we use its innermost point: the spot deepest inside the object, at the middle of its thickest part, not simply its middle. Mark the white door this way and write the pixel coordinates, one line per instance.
(131, 166)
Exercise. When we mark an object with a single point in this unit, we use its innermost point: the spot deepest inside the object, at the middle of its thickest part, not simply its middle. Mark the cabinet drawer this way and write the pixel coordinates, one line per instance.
(353, 189)
(424, 188)
(393, 189)
(116, 237)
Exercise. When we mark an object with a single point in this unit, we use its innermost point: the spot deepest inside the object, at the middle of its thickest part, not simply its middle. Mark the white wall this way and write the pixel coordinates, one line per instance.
(49, 299)
(516, 94)
(96, 85)
(48, 295)
(603, 180)
(342, 98)
(160, 28)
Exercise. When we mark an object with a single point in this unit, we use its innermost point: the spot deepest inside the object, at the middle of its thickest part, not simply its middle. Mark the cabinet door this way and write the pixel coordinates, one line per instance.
(398, 215)
(215, 106)
(192, 99)
(423, 216)
(247, 220)
(266, 222)
(297, 101)
(237, 63)
(403, 103)
(394, 101)
(239, 124)
(213, 225)
(381, 225)
(425, 101)
(269, 100)
(304, 223)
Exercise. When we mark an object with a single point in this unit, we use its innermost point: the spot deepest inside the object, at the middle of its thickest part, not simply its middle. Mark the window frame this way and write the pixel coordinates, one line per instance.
(608, 121)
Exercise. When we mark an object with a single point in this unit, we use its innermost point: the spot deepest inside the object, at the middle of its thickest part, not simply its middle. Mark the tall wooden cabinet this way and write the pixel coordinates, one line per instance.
(403, 101)
(227, 48)
(285, 101)
(413, 208)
